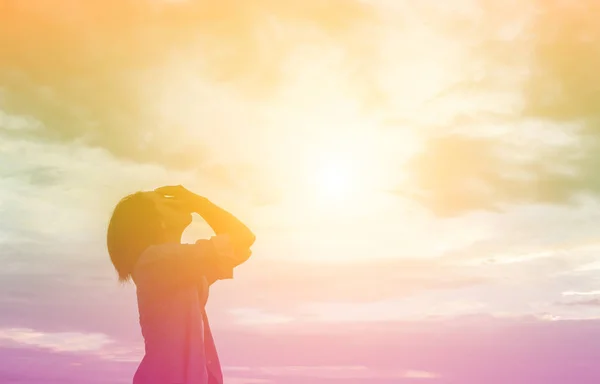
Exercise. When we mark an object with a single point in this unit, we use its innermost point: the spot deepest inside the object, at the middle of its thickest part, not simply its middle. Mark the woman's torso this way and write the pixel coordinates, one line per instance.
(179, 347)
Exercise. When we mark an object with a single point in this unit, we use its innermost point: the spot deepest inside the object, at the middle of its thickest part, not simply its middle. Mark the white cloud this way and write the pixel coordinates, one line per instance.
(330, 372)
(20, 123)
(58, 342)
(421, 375)
(419, 307)
(94, 343)
(55, 192)
(576, 293)
(246, 380)
(255, 316)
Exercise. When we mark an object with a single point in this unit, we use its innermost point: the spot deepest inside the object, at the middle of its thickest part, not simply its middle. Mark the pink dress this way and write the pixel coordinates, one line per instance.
(172, 282)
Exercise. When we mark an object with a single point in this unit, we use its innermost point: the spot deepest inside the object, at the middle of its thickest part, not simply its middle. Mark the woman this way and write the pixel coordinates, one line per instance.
(172, 279)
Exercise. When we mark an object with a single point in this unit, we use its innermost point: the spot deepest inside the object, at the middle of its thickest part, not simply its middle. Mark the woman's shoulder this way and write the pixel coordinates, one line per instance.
(157, 251)
(153, 256)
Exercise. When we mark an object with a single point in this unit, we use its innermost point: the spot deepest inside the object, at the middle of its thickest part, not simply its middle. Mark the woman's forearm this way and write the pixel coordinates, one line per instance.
(223, 222)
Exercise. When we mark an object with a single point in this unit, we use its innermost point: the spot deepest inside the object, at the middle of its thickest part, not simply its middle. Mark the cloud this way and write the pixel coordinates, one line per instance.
(451, 351)
(166, 81)
(35, 366)
(58, 342)
(421, 375)
(14, 123)
(329, 372)
(576, 293)
(459, 173)
(46, 188)
(351, 372)
(388, 311)
(52, 192)
(250, 316)
(51, 288)
(563, 85)
(531, 71)
(359, 283)
(454, 351)
(53, 293)
(580, 299)
(247, 380)
(90, 76)
(582, 303)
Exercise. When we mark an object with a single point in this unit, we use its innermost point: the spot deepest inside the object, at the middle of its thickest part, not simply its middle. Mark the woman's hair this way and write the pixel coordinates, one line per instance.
(133, 227)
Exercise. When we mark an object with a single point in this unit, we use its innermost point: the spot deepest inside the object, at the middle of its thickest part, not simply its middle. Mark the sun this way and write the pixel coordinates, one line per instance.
(335, 180)
(339, 175)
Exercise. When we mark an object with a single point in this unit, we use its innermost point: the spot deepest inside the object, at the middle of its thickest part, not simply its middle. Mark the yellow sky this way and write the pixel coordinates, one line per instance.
(302, 118)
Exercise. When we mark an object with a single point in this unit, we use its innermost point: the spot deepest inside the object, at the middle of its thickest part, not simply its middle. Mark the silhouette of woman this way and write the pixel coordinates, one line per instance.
(173, 279)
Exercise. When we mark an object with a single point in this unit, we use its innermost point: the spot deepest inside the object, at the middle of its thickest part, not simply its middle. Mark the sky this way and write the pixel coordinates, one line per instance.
(420, 175)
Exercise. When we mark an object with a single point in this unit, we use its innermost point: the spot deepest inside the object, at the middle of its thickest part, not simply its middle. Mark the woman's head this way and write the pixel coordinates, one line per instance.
(175, 216)
(138, 221)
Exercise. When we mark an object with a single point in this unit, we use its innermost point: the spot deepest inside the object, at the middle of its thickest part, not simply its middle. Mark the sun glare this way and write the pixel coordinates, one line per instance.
(336, 180)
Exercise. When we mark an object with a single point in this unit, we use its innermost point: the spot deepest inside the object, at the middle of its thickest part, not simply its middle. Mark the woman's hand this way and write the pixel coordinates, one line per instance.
(183, 195)
(221, 221)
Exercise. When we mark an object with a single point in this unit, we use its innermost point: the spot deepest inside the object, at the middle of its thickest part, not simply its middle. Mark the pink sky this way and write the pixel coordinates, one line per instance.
(463, 351)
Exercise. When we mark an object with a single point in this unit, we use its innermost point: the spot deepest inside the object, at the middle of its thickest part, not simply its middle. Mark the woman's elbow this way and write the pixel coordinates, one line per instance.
(246, 239)
(251, 239)
(243, 248)
(243, 240)
(241, 256)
